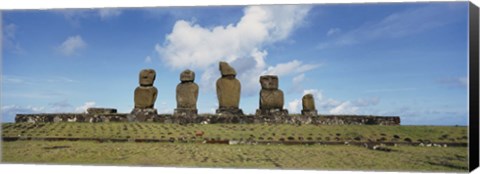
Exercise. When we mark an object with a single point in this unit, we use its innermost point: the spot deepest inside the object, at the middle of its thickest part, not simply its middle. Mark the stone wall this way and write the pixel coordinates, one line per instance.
(70, 117)
(212, 119)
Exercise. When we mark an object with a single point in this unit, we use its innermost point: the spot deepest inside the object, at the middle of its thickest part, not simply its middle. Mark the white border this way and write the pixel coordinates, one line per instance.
(55, 4)
(73, 169)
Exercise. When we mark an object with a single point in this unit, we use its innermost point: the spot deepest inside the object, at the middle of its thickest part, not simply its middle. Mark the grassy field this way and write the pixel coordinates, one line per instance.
(256, 132)
(196, 154)
(403, 158)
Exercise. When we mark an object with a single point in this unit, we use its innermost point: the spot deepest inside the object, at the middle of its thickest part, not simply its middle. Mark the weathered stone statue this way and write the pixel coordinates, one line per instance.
(308, 104)
(228, 91)
(271, 98)
(187, 95)
(144, 97)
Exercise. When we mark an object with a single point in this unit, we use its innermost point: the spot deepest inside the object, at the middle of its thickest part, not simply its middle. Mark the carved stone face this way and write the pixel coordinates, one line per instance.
(187, 76)
(269, 82)
(147, 76)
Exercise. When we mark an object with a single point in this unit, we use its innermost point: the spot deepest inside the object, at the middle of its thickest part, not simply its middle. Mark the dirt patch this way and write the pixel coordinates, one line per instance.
(56, 147)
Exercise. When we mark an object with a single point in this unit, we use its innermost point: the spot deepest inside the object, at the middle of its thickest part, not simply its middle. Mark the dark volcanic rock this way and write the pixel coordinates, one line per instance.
(101, 110)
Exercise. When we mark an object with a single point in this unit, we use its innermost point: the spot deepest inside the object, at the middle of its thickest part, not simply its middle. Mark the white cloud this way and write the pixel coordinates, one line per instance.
(7, 79)
(461, 82)
(395, 25)
(317, 94)
(345, 108)
(332, 106)
(190, 45)
(60, 106)
(28, 80)
(75, 16)
(352, 107)
(85, 106)
(439, 115)
(297, 82)
(148, 59)
(251, 71)
(8, 112)
(9, 39)
(107, 13)
(294, 106)
(164, 108)
(298, 79)
(21, 109)
(333, 31)
(10, 30)
(390, 90)
(71, 45)
(362, 102)
(293, 66)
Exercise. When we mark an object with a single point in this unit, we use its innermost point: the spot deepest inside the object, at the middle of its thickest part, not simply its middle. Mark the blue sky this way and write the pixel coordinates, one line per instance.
(407, 59)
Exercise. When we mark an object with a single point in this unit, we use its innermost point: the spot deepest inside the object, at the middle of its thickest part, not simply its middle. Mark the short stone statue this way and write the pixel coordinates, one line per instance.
(146, 93)
(228, 91)
(186, 95)
(144, 97)
(271, 98)
(308, 105)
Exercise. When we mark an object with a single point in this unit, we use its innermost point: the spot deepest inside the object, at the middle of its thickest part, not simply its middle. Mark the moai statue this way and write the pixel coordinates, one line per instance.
(308, 104)
(144, 97)
(228, 91)
(271, 98)
(187, 95)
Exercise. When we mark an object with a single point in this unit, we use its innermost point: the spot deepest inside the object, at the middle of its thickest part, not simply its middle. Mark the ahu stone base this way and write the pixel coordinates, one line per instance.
(309, 112)
(185, 112)
(70, 117)
(151, 116)
(101, 110)
(142, 115)
(229, 112)
(272, 112)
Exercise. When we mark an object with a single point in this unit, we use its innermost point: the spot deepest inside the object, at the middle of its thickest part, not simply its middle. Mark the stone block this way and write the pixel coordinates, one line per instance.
(272, 112)
(271, 99)
(187, 76)
(185, 112)
(228, 92)
(225, 111)
(187, 95)
(142, 115)
(308, 103)
(145, 97)
(309, 112)
(147, 77)
(226, 69)
(269, 82)
(101, 110)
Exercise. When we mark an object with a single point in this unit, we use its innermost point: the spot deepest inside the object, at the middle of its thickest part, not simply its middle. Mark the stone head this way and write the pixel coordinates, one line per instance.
(147, 76)
(269, 82)
(308, 97)
(187, 76)
(226, 69)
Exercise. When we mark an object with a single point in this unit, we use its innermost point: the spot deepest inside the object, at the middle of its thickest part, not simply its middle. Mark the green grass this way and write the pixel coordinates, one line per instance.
(196, 154)
(238, 131)
(403, 158)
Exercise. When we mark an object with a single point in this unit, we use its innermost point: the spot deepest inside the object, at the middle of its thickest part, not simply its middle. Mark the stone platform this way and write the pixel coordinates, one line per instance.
(185, 112)
(214, 119)
(229, 111)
